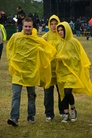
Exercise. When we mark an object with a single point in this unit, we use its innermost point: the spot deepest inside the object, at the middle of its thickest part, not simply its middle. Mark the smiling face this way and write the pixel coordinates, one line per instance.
(53, 24)
(61, 31)
(27, 27)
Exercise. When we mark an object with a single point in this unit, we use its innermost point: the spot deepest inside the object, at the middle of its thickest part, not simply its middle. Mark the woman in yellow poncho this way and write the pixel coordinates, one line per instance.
(2, 38)
(29, 65)
(72, 69)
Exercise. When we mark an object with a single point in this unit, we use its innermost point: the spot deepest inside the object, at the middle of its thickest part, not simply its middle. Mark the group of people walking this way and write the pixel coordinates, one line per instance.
(55, 59)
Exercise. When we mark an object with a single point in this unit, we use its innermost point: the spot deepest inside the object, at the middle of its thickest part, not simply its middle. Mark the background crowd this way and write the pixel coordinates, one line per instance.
(80, 26)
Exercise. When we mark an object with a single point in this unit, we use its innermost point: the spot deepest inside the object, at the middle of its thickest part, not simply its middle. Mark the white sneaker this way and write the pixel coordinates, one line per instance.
(73, 115)
(62, 116)
(48, 119)
(66, 118)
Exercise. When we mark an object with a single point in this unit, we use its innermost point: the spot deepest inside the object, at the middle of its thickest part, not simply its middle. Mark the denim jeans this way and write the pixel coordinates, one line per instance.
(19, 27)
(1, 49)
(77, 32)
(16, 98)
(49, 102)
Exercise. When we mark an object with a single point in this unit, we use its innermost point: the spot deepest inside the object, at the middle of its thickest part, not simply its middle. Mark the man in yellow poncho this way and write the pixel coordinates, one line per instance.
(2, 38)
(29, 65)
(51, 37)
(72, 70)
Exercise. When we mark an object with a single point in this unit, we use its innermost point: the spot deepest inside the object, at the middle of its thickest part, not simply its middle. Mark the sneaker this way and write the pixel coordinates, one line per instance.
(12, 122)
(66, 118)
(73, 115)
(48, 119)
(62, 116)
(31, 120)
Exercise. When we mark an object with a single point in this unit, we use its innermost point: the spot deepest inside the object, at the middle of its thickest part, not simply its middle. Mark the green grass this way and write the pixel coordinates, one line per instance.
(42, 129)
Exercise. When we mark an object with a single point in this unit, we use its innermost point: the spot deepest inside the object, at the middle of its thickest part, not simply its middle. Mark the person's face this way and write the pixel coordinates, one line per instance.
(60, 31)
(53, 25)
(27, 27)
(17, 9)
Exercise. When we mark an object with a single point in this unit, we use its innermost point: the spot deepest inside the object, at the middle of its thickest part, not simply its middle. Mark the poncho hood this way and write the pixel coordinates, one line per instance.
(53, 17)
(68, 30)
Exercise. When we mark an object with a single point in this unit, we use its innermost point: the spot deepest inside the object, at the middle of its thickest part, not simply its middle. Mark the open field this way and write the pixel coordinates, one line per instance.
(42, 129)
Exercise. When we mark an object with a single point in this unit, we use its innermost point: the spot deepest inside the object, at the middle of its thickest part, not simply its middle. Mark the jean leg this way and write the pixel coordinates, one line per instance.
(19, 27)
(76, 32)
(31, 102)
(15, 111)
(49, 101)
(1, 49)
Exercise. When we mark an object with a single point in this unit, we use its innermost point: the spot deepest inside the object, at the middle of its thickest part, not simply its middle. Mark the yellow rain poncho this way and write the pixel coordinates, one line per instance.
(72, 64)
(52, 37)
(2, 33)
(29, 60)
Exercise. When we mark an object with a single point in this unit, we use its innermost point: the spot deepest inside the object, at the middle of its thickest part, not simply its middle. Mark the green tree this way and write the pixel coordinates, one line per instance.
(29, 6)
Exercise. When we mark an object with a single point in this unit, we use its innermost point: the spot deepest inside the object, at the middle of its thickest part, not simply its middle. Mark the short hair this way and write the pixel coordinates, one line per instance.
(19, 7)
(28, 19)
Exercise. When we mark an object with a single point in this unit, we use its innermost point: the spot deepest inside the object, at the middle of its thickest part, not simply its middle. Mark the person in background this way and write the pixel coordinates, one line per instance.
(71, 23)
(78, 27)
(29, 65)
(72, 70)
(2, 38)
(3, 18)
(20, 17)
(51, 37)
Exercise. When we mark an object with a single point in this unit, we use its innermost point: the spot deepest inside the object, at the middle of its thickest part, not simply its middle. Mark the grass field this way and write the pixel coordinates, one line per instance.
(42, 129)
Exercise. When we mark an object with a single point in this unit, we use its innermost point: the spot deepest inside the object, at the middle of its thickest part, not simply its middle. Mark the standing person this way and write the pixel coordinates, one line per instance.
(26, 54)
(20, 17)
(2, 38)
(78, 27)
(72, 70)
(51, 37)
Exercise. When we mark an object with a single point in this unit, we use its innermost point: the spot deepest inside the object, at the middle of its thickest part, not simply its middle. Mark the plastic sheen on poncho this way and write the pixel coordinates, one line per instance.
(72, 64)
(52, 37)
(2, 33)
(29, 60)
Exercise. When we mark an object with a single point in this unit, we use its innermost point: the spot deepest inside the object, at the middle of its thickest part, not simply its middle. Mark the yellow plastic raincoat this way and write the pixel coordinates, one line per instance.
(52, 37)
(72, 64)
(29, 60)
(3, 32)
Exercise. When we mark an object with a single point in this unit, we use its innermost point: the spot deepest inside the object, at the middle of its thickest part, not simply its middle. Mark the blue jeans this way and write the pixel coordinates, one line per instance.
(19, 27)
(16, 97)
(1, 49)
(77, 32)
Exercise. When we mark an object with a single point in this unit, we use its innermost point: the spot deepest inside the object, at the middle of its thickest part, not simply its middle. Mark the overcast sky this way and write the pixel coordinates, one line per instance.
(37, 0)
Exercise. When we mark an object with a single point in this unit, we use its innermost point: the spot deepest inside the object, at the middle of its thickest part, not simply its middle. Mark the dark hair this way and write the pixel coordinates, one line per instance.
(53, 19)
(62, 28)
(19, 7)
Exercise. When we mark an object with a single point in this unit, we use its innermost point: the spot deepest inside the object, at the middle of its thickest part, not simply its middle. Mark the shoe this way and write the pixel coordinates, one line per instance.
(62, 116)
(66, 118)
(48, 119)
(31, 120)
(73, 115)
(12, 122)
